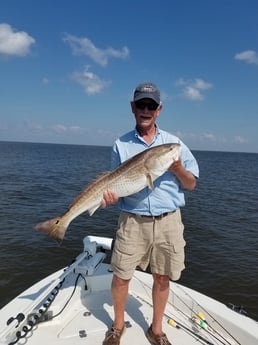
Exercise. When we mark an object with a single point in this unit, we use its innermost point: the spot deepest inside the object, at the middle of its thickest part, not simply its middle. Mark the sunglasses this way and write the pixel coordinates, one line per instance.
(143, 105)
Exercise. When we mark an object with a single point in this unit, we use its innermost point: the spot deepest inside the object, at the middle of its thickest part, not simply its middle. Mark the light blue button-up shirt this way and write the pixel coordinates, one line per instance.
(168, 195)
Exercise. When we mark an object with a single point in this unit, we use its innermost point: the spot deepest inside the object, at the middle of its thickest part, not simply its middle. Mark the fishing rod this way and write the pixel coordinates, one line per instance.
(201, 316)
(202, 324)
(174, 322)
(178, 324)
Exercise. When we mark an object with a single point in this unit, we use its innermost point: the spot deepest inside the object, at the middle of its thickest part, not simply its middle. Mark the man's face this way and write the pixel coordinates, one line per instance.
(146, 112)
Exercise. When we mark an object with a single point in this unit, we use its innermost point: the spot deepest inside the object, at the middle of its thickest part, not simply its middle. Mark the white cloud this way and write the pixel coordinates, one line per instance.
(76, 129)
(90, 82)
(45, 81)
(84, 46)
(59, 128)
(193, 93)
(248, 56)
(14, 43)
(209, 136)
(240, 140)
(203, 137)
(193, 89)
(62, 129)
(201, 84)
(208, 140)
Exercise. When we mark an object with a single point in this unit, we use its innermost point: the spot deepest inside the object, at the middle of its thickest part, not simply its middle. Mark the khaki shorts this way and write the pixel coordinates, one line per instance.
(141, 241)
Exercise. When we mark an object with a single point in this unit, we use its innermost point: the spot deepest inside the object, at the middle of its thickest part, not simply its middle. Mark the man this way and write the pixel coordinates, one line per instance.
(150, 230)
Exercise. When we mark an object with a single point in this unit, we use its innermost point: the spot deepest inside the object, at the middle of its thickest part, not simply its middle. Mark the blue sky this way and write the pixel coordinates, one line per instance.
(68, 69)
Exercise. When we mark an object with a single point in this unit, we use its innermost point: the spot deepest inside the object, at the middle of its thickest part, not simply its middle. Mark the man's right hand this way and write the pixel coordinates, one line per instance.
(109, 198)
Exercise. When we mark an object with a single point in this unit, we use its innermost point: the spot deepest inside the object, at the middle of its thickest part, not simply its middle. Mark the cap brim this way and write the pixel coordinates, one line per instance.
(146, 95)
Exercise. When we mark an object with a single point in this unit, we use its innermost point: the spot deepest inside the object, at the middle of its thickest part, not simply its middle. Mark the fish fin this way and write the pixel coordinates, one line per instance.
(150, 182)
(55, 228)
(93, 209)
(103, 174)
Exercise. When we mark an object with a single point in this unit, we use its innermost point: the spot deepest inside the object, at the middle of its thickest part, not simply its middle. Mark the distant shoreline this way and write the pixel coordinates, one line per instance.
(109, 146)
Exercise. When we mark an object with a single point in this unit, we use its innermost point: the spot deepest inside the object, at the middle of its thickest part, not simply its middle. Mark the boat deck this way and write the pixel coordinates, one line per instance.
(76, 306)
(88, 323)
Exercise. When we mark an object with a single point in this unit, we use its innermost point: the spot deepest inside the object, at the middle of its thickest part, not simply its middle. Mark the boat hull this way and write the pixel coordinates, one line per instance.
(74, 306)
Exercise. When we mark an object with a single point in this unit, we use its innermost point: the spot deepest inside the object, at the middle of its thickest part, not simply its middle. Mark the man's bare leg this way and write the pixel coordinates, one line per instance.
(119, 292)
(160, 292)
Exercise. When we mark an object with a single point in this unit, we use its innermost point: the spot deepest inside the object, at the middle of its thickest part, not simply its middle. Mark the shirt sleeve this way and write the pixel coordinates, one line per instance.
(188, 160)
(115, 157)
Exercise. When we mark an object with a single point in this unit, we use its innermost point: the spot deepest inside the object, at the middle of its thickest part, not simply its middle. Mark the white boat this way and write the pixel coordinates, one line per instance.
(73, 306)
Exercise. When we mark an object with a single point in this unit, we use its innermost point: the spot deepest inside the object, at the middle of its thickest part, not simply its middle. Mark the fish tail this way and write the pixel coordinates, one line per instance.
(55, 228)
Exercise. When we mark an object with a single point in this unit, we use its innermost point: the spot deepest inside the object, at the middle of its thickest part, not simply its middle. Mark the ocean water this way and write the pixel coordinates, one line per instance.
(39, 181)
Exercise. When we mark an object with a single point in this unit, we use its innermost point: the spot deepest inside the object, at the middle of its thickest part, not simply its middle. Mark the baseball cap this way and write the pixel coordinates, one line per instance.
(147, 90)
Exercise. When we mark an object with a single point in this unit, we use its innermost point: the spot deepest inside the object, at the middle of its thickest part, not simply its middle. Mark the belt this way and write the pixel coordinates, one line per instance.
(160, 216)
